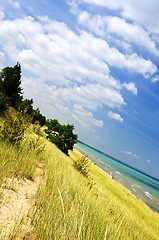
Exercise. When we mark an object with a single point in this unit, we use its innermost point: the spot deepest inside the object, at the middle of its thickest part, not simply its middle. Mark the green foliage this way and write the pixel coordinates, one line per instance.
(10, 81)
(61, 135)
(38, 129)
(11, 94)
(35, 144)
(37, 116)
(82, 165)
(14, 125)
(3, 101)
(27, 104)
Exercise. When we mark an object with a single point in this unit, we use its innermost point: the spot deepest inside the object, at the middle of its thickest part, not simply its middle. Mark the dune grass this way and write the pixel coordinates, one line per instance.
(16, 162)
(70, 206)
(67, 208)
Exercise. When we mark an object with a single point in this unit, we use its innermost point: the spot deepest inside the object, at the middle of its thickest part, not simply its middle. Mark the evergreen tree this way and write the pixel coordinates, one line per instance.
(10, 81)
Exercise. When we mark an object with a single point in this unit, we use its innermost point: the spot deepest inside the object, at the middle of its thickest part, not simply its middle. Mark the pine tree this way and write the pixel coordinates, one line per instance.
(10, 81)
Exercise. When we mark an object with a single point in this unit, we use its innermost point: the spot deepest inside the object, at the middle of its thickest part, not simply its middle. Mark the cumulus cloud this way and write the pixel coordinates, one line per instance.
(126, 152)
(115, 116)
(60, 103)
(91, 96)
(133, 155)
(129, 32)
(148, 161)
(155, 79)
(115, 58)
(131, 87)
(84, 117)
(82, 56)
(68, 68)
(144, 13)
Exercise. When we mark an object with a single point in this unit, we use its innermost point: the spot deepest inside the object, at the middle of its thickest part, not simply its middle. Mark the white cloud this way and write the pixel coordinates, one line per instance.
(115, 116)
(85, 118)
(60, 103)
(68, 68)
(143, 12)
(131, 87)
(2, 57)
(91, 96)
(126, 152)
(155, 79)
(115, 58)
(81, 56)
(121, 44)
(131, 33)
(96, 24)
(133, 155)
(148, 161)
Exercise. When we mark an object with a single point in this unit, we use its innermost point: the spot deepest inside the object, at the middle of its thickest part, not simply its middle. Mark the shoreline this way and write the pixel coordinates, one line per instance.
(113, 178)
(119, 161)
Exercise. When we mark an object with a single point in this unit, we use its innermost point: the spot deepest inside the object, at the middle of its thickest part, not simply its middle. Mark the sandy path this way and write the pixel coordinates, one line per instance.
(18, 197)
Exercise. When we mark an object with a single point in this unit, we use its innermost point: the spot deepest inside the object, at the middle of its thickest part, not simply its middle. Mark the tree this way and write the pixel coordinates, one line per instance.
(28, 105)
(37, 116)
(61, 135)
(3, 102)
(11, 94)
(10, 81)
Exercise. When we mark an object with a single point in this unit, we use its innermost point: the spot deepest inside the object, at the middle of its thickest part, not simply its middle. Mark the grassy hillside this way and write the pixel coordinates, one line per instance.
(68, 205)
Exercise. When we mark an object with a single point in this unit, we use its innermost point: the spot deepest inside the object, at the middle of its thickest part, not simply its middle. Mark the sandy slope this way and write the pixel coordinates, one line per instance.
(18, 197)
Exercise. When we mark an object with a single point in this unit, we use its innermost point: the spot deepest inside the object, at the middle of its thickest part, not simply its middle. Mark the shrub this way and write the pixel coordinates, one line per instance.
(37, 129)
(35, 144)
(14, 125)
(82, 165)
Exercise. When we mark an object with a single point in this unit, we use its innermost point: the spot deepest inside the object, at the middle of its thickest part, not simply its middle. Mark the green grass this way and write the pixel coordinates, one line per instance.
(16, 162)
(71, 206)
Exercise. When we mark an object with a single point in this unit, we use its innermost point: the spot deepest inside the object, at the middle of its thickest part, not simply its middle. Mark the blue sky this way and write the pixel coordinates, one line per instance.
(93, 63)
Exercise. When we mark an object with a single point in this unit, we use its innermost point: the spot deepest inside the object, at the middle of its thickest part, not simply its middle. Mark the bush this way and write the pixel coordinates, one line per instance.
(35, 144)
(14, 125)
(82, 165)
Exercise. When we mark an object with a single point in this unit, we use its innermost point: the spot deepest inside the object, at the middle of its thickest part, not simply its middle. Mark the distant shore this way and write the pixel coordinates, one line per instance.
(112, 176)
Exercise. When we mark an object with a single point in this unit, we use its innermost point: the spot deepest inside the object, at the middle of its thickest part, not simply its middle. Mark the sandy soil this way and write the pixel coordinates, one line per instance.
(18, 196)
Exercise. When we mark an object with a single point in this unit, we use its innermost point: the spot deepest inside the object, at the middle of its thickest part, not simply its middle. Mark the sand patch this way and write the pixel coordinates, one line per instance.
(18, 196)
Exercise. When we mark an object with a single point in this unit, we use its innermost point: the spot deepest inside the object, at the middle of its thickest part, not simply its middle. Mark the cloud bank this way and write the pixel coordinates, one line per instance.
(72, 69)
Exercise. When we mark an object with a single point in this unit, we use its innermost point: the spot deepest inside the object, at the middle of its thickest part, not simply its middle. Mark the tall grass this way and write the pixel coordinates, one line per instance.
(16, 162)
(66, 207)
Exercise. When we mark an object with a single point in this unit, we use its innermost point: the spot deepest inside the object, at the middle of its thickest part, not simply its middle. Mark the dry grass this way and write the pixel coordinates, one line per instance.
(66, 207)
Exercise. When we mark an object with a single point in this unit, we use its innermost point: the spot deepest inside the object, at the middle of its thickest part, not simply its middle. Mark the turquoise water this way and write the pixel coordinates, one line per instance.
(141, 185)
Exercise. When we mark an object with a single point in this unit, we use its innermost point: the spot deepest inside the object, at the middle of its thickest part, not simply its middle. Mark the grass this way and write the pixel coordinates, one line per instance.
(71, 206)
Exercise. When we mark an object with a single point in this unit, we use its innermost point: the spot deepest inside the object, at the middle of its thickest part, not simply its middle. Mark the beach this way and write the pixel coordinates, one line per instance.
(139, 184)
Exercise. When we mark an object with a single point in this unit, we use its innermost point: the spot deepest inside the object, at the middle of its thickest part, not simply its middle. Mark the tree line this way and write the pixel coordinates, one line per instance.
(11, 96)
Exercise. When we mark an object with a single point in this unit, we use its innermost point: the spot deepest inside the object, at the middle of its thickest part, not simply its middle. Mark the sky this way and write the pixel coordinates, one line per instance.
(94, 64)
